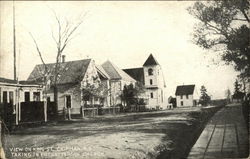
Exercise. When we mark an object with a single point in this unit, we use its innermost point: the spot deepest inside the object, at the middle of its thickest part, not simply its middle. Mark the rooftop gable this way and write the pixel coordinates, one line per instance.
(116, 73)
(101, 71)
(150, 61)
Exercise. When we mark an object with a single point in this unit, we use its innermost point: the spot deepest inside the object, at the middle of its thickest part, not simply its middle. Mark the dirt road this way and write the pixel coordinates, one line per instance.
(135, 135)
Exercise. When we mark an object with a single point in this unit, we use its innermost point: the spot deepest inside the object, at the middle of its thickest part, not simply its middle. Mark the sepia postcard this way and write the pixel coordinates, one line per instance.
(124, 79)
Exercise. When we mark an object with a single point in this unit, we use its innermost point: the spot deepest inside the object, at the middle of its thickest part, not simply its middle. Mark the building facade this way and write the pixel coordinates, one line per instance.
(151, 76)
(78, 77)
(186, 96)
(13, 93)
(117, 79)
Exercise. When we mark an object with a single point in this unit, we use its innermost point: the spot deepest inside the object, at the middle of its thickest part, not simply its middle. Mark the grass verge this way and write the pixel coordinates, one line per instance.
(184, 136)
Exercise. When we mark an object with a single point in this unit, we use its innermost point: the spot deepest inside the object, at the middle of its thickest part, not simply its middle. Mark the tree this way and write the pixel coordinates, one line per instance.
(204, 98)
(64, 34)
(224, 24)
(237, 87)
(228, 95)
(237, 91)
(131, 94)
(91, 91)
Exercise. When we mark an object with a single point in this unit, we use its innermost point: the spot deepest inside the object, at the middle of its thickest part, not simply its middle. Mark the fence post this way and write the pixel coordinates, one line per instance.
(45, 110)
(82, 112)
(19, 111)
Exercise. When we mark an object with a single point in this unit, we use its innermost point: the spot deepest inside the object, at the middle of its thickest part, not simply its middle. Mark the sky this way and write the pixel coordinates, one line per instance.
(124, 32)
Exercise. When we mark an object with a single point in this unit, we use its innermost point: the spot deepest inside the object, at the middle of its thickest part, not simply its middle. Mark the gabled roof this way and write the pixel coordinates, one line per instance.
(150, 61)
(136, 73)
(101, 71)
(72, 71)
(185, 90)
(116, 73)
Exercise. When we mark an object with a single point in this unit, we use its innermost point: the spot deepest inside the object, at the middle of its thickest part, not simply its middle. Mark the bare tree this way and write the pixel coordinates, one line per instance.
(63, 35)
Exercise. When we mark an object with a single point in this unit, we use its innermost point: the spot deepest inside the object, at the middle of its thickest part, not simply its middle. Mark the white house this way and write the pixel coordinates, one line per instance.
(117, 78)
(151, 76)
(74, 77)
(14, 92)
(186, 96)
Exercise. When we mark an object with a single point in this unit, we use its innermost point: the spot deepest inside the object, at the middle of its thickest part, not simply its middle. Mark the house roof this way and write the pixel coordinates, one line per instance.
(102, 71)
(185, 90)
(29, 82)
(6, 80)
(116, 73)
(136, 73)
(11, 81)
(73, 71)
(150, 61)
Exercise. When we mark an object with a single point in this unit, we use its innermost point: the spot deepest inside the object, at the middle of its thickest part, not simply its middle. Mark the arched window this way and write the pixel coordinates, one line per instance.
(150, 71)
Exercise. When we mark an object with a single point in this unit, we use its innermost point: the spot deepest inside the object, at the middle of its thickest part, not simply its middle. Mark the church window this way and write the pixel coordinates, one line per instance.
(151, 81)
(152, 95)
(150, 71)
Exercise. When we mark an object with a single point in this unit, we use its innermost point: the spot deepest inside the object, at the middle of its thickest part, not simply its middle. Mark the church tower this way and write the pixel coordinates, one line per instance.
(154, 82)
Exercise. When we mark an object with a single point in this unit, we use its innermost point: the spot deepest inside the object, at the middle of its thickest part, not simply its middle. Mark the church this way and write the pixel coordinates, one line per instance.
(151, 76)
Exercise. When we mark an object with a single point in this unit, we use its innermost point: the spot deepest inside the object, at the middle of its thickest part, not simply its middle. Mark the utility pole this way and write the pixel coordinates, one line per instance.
(14, 41)
(15, 74)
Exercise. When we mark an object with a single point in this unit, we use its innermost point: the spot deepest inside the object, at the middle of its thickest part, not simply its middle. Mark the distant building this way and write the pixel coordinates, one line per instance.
(172, 100)
(186, 95)
(151, 76)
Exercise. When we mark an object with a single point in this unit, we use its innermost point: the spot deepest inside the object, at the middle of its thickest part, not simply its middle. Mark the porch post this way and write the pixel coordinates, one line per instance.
(16, 104)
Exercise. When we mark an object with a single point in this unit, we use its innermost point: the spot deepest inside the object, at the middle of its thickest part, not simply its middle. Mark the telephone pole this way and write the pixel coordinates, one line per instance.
(14, 41)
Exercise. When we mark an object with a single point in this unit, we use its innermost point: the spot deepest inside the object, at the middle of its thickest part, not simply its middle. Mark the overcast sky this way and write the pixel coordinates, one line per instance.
(123, 32)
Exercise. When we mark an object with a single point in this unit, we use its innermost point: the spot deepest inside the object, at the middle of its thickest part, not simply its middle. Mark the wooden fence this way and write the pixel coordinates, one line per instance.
(32, 111)
(109, 110)
(92, 112)
(6, 115)
(134, 108)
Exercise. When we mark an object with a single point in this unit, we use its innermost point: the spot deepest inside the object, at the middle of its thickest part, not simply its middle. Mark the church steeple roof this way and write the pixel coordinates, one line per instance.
(150, 61)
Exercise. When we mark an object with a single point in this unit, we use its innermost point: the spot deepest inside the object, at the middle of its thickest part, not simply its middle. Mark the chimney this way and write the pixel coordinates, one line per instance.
(63, 58)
